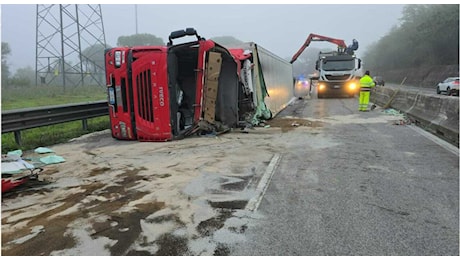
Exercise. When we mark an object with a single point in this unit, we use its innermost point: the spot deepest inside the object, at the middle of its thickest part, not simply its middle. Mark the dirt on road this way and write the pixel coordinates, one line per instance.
(112, 197)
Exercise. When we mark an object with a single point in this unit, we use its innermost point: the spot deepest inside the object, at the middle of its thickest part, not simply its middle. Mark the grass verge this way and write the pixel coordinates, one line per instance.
(29, 97)
(54, 134)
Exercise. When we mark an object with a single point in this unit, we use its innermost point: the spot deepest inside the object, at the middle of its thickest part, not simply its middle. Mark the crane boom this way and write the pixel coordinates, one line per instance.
(316, 37)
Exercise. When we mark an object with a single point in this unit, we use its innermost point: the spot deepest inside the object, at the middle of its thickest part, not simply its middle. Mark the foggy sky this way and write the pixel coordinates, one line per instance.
(282, 29)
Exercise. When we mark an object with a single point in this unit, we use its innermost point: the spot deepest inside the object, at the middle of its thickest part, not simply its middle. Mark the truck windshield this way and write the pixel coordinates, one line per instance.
(337, 65)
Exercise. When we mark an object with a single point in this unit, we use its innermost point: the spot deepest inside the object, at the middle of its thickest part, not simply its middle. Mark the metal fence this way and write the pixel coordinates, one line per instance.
(22, 119)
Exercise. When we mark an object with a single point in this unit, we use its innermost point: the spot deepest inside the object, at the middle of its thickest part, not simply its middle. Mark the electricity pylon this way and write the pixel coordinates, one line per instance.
(70, 44)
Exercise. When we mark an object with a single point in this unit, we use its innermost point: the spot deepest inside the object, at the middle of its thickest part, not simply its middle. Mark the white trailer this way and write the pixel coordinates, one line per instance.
(267, 77)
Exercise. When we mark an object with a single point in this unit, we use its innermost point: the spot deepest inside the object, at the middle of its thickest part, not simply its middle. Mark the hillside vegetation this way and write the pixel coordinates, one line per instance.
(428, 35)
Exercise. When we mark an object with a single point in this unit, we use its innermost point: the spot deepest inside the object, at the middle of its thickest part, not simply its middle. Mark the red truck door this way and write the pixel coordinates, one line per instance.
(150, 92)
(119, 93)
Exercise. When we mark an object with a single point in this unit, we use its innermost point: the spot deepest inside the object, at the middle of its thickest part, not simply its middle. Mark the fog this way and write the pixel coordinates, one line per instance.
(280, 28)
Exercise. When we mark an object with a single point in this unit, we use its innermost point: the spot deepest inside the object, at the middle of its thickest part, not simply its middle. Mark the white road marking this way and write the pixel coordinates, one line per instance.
(449, 147)
(253, 204)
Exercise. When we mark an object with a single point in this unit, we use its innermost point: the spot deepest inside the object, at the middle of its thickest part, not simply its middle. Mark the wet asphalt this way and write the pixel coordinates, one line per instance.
(357, 188)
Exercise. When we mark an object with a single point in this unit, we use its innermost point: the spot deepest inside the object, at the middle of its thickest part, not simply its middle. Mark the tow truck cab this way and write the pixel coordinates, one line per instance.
(338, 74)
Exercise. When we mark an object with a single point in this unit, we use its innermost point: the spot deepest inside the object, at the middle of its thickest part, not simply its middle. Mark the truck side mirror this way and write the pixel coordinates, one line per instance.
(317, 65)
(359, 63)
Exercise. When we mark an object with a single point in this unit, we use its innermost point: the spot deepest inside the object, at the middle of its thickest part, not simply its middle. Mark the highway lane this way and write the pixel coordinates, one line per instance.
(358, 185)
(338, 182)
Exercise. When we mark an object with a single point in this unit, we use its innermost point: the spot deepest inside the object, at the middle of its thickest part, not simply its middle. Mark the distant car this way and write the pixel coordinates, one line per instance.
(449, 86)
(378, 80)
(301, 87)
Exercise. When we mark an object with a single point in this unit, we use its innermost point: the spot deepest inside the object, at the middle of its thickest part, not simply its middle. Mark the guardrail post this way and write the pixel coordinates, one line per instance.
(17, 137)
(84, 124)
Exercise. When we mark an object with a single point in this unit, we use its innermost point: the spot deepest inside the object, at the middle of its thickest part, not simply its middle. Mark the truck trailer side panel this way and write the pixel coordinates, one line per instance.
(272, 82)
(278, 78)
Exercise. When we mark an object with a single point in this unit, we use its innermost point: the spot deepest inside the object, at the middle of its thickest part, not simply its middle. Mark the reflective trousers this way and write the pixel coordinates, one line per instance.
(364, 100)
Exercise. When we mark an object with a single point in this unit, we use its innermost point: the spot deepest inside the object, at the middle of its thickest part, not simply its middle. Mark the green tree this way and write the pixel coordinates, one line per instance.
(5, 68)
(143, 39)
(23, 77)
(427, 35)
(93, 58)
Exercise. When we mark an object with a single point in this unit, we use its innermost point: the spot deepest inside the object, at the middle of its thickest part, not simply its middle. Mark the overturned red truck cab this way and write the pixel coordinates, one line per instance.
(161, 93)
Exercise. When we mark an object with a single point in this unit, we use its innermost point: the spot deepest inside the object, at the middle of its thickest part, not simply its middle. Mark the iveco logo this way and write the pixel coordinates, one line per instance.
(162, 96)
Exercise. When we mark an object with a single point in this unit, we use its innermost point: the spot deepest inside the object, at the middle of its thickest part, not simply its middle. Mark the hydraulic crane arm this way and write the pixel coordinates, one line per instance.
(315, 37)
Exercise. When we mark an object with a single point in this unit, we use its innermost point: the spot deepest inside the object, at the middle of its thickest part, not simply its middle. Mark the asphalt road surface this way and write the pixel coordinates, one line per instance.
(358, 187)
(319, 179)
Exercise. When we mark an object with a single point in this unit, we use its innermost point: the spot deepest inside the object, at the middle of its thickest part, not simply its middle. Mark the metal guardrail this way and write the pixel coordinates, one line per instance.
(22, 119)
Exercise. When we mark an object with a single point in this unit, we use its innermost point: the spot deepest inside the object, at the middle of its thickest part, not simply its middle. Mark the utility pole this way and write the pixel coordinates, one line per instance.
(135, 17)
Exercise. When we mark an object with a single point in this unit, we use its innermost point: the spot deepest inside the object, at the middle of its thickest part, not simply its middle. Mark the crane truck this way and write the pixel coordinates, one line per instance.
(338, 71)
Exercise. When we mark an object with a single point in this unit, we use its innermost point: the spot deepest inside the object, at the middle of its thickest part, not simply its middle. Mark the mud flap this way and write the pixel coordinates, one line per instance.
(211, 85)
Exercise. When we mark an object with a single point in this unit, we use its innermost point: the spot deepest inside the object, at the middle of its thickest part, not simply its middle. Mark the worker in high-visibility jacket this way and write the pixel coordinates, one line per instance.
(366, 84)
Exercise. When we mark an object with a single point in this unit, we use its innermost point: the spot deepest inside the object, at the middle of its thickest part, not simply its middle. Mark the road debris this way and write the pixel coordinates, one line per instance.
(18, 169)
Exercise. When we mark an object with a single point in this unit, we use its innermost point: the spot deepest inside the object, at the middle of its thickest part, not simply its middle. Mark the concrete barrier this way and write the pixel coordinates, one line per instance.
(438, 114)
